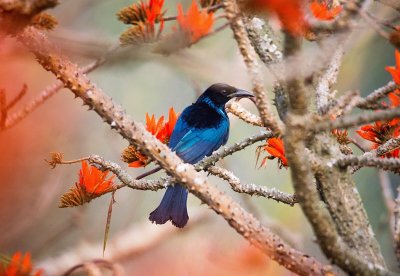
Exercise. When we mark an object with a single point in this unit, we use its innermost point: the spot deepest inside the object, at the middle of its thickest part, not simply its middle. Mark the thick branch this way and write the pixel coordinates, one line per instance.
(396, 213)
(250, 59)
(325, 228)
(243, 222)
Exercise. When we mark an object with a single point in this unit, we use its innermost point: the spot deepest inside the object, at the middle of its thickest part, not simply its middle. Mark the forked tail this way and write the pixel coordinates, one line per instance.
(172, 207)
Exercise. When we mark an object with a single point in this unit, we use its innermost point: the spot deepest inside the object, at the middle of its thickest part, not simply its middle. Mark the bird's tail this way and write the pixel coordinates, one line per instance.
(172, 207)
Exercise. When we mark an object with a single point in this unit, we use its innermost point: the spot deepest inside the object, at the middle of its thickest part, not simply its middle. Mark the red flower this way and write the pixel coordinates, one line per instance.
(276, 149)
(381, 132)
(19, 266)
(321, 11)
(395, 70)
(196, 23)
(289, 12)
(394, 98)
(154, 11)
(162, 131)
(143, 16)
(94, 181)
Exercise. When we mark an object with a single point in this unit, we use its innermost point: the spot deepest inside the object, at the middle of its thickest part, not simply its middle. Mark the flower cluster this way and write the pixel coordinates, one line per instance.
(195, 23)
(275, 148)
(291, 13)
(144, 16)
(160, 129)
(19, 265)
(92, 183)
(380, 132)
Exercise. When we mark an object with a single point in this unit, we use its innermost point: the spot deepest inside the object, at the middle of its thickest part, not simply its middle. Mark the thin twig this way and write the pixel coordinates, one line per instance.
(51, 90)
(236, 109)
(392, 164)
(356, 120)
(373, 98)
(137, 239)
(252, 189)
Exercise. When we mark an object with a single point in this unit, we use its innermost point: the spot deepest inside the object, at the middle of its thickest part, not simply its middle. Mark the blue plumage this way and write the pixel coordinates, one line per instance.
(200, 130)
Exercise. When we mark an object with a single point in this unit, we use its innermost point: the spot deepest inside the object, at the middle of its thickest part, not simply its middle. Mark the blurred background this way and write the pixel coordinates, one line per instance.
(30, 189)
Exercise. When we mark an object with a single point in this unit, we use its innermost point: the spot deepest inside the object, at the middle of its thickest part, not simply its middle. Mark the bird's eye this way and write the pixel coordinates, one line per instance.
(223, 91)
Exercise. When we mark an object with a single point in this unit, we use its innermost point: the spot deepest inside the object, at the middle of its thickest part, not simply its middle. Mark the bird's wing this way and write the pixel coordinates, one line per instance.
(181, 129)
(198, 143)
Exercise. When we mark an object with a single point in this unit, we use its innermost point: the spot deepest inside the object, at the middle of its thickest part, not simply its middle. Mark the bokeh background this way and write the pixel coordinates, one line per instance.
(30, 219)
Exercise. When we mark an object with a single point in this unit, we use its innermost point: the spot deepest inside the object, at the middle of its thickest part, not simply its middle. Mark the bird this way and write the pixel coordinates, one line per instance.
(200, 129)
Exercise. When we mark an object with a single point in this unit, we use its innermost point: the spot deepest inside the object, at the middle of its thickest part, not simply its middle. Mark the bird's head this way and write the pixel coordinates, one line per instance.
(220, 93)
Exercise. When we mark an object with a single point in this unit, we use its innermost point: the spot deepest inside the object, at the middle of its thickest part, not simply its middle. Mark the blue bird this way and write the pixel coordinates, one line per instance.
(200, 130)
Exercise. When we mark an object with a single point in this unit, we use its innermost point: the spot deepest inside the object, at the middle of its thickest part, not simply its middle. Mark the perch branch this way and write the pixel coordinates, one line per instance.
(236, 109)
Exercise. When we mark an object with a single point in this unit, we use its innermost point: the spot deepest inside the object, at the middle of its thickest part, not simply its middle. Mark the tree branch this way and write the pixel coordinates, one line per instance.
(370, 102)
(51, 90)
(252, 189)
(334, 246)
(236, 109)
(250, 59)
(243, 222)
(355, 120)
(390, 164)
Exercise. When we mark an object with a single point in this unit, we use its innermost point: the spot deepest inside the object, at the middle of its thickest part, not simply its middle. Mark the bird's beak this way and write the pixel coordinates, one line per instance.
(241, 94)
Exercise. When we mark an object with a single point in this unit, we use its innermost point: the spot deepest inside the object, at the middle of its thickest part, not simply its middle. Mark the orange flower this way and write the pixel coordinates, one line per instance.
(92, 183)
(196, 23)
(95, 181)
(276, 149)
(289, 12)
(19, 266)
(143, 16)
(321, 11)
(395, 70)
(154, 10)
(394, 98)
(162, 131)
(142, 12)
(381, 132)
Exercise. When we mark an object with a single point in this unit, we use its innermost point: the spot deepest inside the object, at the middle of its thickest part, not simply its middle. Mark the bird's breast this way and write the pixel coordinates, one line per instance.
(204, 116)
